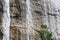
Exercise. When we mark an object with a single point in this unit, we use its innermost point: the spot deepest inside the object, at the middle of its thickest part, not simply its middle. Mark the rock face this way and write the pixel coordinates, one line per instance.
(1, 13)
(42, 12)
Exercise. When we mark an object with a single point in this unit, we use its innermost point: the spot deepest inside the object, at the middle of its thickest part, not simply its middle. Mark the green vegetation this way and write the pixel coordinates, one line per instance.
(44, 26)
(45, 34)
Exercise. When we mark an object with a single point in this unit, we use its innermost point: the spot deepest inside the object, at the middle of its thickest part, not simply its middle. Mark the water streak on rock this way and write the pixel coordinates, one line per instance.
(29, 20)
(6, 20)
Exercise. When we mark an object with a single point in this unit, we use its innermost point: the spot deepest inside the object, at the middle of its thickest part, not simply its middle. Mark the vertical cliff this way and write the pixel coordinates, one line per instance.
(27, 15)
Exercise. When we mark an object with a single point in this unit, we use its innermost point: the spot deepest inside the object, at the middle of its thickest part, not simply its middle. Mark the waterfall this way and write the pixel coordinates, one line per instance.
(6, 20)
(29, 19)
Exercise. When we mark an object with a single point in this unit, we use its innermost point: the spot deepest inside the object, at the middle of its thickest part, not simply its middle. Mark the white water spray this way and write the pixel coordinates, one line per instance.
(6, 20)
(29, 19)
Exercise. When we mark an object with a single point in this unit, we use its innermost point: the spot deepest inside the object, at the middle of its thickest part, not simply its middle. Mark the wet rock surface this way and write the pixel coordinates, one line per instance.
(43, 12)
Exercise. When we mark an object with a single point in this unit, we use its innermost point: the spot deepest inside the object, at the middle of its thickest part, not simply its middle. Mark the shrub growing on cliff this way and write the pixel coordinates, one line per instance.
(45, 34)
(43, 26)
